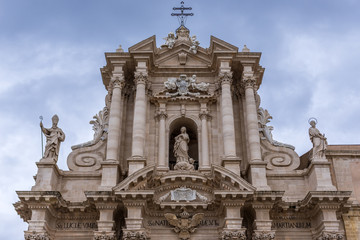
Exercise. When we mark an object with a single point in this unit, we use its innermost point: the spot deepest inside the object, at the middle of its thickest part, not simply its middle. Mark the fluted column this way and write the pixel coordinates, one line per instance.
(204, 116)
(252, 120)
(110, 167)
(139, 116)
(257, 166)
(114, 120)
(227, 115)
(137, 160)
(162, 138)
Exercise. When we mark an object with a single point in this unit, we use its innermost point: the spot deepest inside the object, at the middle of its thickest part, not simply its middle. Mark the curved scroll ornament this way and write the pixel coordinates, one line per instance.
(278, 155)
(264, 118)
(87, 156)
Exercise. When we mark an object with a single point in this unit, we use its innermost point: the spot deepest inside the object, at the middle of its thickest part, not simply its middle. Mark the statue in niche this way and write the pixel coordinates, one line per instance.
(318, 140)
(54, 136)
(183, 161)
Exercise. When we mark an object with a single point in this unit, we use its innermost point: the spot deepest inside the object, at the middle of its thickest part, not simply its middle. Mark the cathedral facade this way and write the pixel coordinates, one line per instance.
(182, 150)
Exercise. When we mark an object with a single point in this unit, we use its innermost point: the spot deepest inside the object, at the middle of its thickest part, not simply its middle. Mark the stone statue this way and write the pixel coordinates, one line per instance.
(170, 40)
(54, 136)
(183, 162)
(194, 45)
(318, 140)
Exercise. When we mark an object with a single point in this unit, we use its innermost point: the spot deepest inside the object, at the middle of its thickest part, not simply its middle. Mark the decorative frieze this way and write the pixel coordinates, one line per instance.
(233, 235)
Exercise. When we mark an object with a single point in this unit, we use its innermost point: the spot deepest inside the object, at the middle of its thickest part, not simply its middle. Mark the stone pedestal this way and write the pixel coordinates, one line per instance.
(257, 175)
(319, 178)
(47, 176)
(110, 174)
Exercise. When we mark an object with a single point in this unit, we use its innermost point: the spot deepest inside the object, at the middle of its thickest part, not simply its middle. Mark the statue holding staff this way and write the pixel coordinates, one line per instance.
(54, 136)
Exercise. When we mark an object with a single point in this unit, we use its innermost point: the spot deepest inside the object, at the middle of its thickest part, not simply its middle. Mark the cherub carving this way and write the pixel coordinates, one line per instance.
(184, 226)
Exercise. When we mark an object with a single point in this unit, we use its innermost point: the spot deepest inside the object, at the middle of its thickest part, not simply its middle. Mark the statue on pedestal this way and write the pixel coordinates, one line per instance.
(54, 136)
(318, 140)
(183, 162)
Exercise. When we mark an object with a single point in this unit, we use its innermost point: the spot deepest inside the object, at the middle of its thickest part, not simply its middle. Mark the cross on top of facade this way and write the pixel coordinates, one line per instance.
(182, 16)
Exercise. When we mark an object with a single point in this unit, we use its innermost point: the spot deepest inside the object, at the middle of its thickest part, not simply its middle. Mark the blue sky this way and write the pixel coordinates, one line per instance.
(51, 52)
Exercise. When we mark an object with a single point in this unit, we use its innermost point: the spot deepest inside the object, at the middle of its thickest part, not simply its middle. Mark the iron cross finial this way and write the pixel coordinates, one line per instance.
(182, 16)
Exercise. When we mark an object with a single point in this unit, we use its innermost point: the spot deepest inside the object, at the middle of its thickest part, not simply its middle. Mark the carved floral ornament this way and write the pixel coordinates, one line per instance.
(233, 235)
(37, 236)
(331, 236)
(137, 235)
(263, 236)
(141, 77)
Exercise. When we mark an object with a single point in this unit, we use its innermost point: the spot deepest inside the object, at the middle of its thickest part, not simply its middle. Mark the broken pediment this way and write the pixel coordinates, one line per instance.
(219, 46)
(146, 46)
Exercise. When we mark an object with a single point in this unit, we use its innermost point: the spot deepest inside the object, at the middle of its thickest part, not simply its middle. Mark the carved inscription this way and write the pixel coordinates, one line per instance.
(74, 225)
(165, 223)
(291, 225)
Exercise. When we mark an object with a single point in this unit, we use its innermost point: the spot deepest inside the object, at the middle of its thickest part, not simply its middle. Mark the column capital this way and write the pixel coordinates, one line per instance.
(161, 114)
(248, 82)
(117, 81)
(141, 78)
(263, 235)
(204, 115)
(225, 77)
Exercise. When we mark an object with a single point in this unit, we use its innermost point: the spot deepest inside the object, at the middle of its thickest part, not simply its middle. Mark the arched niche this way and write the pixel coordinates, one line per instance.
(192, 131)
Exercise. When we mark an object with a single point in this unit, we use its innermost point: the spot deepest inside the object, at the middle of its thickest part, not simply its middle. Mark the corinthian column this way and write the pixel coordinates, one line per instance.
(110, 167)
(252, 120)
(114, 120)
(137, 160)
(162, 138)
(204, 115)
(257, 166)
(227, 115)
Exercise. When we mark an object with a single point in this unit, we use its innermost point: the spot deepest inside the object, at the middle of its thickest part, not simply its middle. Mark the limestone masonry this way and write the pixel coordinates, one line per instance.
(183, 150)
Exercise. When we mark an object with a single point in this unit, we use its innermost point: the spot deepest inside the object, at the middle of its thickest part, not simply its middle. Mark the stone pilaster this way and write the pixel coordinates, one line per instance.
(257, 166)
(106, 221)
(204, 116)
(134, 221)
(233, 219)
(162, 165)
(110, 167)
(137, 160)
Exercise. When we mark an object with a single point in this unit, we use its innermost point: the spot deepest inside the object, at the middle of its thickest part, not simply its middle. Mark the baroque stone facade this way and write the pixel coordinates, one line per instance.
(183, 150)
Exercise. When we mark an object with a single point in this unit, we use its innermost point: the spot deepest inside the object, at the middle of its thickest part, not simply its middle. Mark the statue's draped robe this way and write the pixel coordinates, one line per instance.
(53, 136)
(319, 143)
(181, 147)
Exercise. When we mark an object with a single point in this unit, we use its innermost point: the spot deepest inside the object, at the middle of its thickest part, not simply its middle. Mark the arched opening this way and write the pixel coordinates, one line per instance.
(191, 130)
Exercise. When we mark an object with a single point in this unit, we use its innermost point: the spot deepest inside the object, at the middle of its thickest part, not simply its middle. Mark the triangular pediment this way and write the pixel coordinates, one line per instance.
(146, 46)
(180, 55)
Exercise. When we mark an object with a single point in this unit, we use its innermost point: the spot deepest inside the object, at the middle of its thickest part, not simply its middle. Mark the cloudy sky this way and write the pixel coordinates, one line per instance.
(51, 52)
